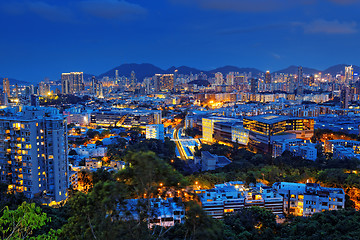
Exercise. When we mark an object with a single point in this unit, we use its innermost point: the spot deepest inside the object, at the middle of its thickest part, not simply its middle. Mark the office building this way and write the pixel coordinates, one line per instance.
(264, 129)
(72, 83)
(155, 131)
(208, 127)
(239, 134)
(33, 153)
(306, 199)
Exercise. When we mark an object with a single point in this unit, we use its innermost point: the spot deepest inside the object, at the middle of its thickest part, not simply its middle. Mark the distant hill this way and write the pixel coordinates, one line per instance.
(340, 68)
(294, 70)
(226, 69)
(148, 70)
(87, 76)
(141, 70)
(184, 70)
(13, 81)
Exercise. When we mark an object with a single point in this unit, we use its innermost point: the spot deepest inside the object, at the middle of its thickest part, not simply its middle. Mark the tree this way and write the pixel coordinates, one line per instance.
(147, 172)
(252, 223)
(22, 222)
(341, 224)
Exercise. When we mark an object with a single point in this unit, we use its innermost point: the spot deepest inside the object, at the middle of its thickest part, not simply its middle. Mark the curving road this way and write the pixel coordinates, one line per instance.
(178, 143)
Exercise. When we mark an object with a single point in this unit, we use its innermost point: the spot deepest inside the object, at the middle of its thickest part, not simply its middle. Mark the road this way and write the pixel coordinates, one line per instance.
(178, 143)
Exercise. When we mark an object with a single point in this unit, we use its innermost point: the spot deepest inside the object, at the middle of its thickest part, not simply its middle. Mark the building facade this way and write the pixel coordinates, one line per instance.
(306, 199)
(233, 196)
(33, 153)
(72, 83)
(155, 131)
(264, 129)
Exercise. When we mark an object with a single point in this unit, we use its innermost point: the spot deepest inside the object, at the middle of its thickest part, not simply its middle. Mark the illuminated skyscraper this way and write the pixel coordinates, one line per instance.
(72, 83)
(6, 87)
(163, 82)
(133, 79)
(344, 97)
(254, 85)
(33, 153)
(349, 72)
(267, 77)
(219, 79)
(116, 76)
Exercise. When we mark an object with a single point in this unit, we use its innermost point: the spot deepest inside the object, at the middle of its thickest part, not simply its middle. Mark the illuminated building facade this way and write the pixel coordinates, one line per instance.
(72, 83)
(264, 129)
(208, 127)
(164, 82)
(6, 87)
(155, 131)
(306, 199)
(33, 153)
(349, 72)
(233, 196)
(125, 118)
(239, 135)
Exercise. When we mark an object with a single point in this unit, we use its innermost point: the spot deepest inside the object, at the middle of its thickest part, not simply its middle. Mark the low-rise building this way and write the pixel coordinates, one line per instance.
(165, 212)
(155, 131)
(298, 147)
(212, 161)
(233, 196)
(306, 199)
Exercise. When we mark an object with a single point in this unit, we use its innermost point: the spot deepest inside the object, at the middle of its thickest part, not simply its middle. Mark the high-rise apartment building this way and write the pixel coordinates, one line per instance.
(349, 72)
(254, 85)
(44, 89)
(267, 77)
(344, 97)
(219, 78)
(133, 79)
(163, 82)
(72, 83)
(33, 153)
(6, 87)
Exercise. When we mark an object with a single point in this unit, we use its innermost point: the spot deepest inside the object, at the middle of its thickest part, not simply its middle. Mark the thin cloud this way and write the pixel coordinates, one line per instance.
(345, 2)
(330, 27)
(112, 9)
(41, 9)
(276, 56)
(50, 12)
(252, 29)
(106, 9)
(245, 5)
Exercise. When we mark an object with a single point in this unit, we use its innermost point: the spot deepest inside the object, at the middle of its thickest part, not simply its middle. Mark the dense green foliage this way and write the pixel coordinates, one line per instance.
(154, 171)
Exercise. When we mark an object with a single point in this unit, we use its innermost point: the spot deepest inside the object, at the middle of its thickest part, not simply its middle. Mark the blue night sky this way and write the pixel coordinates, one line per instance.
(46, 37)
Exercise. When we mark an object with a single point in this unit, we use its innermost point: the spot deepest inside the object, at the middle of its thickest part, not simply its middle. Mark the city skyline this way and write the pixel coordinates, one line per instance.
(45, 38)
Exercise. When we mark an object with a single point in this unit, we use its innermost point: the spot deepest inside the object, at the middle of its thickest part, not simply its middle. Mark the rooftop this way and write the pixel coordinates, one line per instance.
(270, 118)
